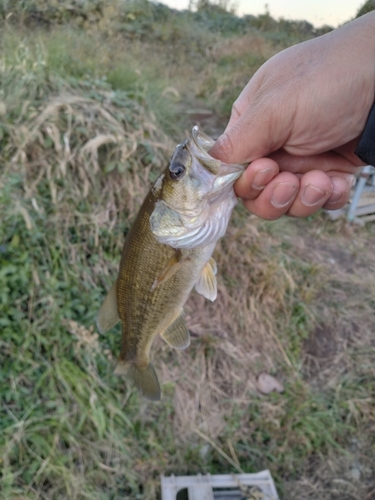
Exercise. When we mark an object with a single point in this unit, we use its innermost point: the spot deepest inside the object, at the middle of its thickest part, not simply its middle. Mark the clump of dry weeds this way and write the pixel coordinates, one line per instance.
(82, 145)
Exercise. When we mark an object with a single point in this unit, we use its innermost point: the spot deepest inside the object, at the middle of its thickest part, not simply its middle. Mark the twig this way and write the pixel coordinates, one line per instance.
(219, 450)
(288, 362)
(233, 453)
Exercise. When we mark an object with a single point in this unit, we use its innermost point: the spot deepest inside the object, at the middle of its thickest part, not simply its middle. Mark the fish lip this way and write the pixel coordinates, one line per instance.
(223, 181)
(199, 146)
(201, 139)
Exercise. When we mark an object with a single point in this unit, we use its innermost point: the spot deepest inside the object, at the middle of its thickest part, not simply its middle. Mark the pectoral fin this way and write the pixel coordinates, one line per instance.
(108, 313)
(206, 284)
(169, 270)
(177, 335)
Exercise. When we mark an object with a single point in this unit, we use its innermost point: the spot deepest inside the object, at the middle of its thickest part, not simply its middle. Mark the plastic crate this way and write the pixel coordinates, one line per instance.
(258, 486)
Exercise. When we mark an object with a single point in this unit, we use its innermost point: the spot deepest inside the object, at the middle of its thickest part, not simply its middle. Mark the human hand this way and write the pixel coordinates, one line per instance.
(298, 121)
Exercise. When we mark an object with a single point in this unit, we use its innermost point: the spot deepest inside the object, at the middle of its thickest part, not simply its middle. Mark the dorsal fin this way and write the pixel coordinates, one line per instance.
(108, 313)
(177, 335)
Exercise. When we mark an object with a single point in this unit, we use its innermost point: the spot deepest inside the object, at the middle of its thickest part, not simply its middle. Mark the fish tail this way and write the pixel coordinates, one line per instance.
(146, 380)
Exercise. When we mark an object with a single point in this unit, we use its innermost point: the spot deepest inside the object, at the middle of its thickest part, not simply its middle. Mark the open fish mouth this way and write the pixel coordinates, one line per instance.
(197, 197)
(199, 146)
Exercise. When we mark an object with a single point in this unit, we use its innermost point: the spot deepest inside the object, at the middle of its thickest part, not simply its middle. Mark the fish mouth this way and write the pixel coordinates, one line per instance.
(202, 141)
(224, 180)
(204, 221)
(224, 174)
(199, 146)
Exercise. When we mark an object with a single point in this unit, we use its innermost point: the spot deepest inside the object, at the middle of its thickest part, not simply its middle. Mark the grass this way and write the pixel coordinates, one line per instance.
(85, 128)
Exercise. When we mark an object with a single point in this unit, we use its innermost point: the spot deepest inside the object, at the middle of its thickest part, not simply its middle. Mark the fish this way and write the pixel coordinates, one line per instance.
(168, 252)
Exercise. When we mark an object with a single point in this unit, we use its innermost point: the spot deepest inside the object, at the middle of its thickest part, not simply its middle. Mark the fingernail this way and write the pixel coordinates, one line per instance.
(351, 179)
(283, 194)
(223, 148)
(261, 178)
(312, 195)
(335, 196)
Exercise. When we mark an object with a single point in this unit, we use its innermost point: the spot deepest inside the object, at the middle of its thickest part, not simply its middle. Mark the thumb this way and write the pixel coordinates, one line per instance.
(256, 128)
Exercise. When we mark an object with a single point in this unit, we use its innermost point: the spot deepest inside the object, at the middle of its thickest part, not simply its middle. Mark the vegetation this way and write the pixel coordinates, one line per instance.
(93, 97)
(366, 7)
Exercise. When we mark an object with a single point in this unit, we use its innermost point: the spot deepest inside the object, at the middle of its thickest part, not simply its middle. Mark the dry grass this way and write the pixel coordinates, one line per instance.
(80, 142)
(296, 299)
(72, 137)
(325, 359)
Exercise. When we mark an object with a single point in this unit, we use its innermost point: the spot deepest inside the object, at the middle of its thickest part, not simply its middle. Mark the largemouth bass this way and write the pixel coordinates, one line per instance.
(167, 252)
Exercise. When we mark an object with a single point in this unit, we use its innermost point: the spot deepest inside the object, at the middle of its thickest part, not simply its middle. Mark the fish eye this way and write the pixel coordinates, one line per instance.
(176, 171)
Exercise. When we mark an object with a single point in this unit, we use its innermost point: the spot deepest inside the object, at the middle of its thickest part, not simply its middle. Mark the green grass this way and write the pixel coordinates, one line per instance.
(68, 427)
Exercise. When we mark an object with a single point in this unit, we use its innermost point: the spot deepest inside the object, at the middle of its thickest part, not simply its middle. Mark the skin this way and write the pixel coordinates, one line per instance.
(298, 120)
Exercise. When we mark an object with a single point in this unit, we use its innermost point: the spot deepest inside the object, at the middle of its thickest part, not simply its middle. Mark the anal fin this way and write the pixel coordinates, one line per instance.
(108, 313)
(177, 335)
(120, 369)
(206, 284)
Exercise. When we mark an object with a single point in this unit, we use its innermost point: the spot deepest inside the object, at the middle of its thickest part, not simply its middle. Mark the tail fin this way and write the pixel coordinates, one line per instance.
(145, 379)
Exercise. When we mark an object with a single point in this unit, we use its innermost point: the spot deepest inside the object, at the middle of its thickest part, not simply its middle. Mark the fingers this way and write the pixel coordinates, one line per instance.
(341, 186)
(340, 160)
(276, 198)
(289, 194)
(315, 190)
(255, 178)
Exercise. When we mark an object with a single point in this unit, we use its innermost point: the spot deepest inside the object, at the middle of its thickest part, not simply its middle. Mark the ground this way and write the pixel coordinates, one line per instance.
(89, 118)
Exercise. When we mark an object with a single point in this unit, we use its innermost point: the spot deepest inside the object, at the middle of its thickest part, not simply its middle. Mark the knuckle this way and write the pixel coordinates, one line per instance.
(225, 144)
(235, 112)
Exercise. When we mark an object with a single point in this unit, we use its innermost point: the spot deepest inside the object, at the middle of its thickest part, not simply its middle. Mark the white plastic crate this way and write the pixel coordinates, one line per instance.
(361, 206)
(258, 486)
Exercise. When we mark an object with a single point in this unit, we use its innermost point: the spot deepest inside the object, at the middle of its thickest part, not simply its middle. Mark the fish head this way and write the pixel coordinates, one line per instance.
(195, 195)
